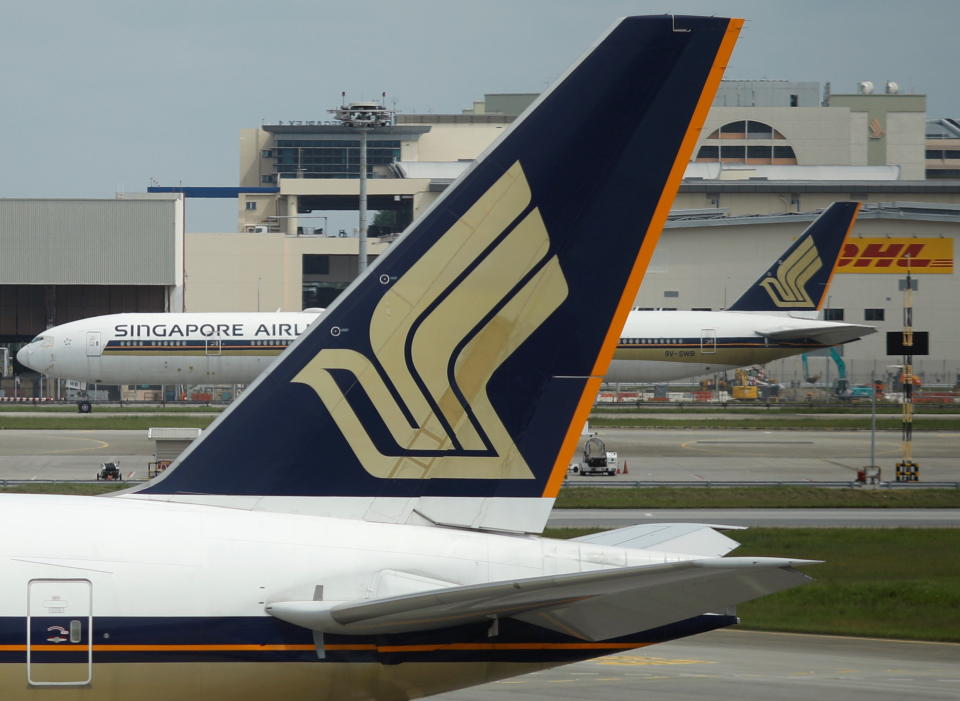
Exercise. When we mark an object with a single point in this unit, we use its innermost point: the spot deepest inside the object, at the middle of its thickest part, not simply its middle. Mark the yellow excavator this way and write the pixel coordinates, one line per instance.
(742, 389)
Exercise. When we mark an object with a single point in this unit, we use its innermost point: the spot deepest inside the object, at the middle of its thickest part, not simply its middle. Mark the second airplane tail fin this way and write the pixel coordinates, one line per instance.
(800, 279)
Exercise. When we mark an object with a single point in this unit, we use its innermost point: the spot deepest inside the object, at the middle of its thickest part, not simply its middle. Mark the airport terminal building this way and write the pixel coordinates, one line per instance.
(771, 155)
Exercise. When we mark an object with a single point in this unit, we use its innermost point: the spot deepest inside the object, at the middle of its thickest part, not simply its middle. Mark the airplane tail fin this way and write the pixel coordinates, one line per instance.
(800, 279)
(449, 383)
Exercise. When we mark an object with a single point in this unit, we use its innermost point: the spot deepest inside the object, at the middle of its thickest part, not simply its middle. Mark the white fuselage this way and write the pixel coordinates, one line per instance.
(233, 348)
(156, 349)
(186, 586)
(660, 346)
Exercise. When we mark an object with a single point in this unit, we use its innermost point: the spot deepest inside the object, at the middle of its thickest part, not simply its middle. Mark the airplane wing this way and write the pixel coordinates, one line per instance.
(596, 605)
(832, 335)
(689, 538)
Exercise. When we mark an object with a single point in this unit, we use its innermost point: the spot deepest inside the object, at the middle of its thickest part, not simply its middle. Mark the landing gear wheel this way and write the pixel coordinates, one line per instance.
(84, 407)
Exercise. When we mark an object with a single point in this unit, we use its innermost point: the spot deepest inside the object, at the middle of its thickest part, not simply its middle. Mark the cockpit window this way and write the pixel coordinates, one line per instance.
(44, 341)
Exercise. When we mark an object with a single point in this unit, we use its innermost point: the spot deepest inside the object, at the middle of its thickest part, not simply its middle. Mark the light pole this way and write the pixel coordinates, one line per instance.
(364, 117)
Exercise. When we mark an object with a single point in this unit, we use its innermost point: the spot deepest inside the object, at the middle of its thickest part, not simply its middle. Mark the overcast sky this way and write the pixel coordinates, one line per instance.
(103, 96)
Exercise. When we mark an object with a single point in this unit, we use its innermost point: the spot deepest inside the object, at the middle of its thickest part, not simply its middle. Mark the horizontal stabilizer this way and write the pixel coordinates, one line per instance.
(823, 334)
(690, 538)
(589, 605)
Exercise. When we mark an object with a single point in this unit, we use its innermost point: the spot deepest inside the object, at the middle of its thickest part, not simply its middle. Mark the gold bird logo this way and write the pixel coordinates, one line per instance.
(437, 341)
(788, 288)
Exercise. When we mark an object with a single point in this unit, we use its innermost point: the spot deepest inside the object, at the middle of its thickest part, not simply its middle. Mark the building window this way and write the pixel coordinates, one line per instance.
(833, 314)
(268, 179)
(794, 100)
(733, 153)
(332, 157)
(316, 264)
(873, 314)
(747, 129)
(708, 154)
(250, 206)
(671, 293)
(266, 153)
(784, 156)
(759, 130)
(733, 130)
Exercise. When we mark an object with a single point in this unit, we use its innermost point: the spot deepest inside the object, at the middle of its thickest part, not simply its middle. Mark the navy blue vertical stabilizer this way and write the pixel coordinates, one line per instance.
(455, 365)
(799, 280)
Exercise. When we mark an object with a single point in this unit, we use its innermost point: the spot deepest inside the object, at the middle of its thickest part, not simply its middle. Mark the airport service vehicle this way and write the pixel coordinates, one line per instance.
(233, 348)
(362, 522)
(597, 460)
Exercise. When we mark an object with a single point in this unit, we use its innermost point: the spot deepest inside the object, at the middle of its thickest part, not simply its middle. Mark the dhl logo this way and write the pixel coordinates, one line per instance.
(896, 255)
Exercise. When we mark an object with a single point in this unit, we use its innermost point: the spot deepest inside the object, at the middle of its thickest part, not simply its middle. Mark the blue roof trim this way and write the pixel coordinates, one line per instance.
(217, 192)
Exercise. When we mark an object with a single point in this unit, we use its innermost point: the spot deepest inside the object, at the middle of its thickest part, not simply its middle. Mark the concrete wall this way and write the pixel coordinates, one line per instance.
(818, 135)
(906, 143)
(455, 142)
(242, 272)
(766, 93)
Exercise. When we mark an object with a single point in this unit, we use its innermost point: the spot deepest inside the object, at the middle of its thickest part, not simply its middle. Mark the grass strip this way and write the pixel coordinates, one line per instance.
(886, 583)
(773, 409)
(755, 498)
(663, 497)
(774, 423)
(82, 422)
(69, 488)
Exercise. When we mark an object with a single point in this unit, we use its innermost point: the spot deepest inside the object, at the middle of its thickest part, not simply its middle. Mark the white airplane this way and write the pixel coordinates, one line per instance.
(361, 522)
(160, 348)
(657, 346)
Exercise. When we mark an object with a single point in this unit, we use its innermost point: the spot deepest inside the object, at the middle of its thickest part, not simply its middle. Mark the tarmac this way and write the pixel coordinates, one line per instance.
(746, 666)
(738, 455)
(649, 455)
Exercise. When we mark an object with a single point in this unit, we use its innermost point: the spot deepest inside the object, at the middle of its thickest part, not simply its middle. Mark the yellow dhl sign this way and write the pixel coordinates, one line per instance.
(895, 255)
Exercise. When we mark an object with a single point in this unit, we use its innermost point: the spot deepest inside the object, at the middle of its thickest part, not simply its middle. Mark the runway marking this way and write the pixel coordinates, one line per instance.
(755, 442)
(103, 444)
(636, 660)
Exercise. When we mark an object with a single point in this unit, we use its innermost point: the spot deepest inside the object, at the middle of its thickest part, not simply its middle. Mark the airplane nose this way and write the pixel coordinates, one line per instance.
(23, 356)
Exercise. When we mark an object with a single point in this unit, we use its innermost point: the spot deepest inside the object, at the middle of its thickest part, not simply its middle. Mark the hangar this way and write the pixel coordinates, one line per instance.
(69, 259)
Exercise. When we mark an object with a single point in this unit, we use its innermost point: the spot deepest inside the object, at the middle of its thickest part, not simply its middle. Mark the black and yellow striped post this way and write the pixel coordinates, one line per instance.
(907, 469)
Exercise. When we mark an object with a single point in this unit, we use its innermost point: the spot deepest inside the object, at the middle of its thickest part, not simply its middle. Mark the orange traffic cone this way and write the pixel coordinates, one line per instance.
(625, 470)
(618, 470)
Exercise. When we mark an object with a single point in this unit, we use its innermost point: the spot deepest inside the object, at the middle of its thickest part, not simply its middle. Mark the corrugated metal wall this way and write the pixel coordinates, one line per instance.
(87, 242)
